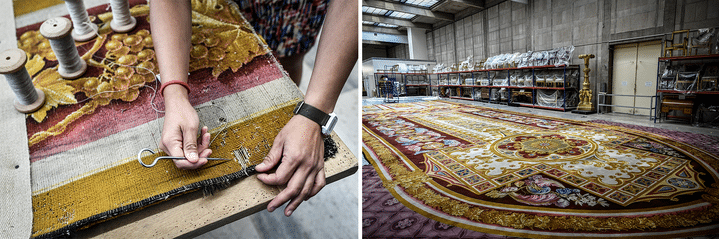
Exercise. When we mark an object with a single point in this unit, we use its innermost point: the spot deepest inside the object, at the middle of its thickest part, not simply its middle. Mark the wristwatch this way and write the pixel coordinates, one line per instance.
(327, 121)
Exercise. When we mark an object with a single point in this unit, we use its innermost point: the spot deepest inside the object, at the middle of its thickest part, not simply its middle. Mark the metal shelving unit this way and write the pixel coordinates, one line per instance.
(676, 92)
(492, 92)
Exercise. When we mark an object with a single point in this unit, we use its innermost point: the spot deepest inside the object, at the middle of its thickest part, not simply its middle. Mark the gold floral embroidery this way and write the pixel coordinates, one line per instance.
(129, 60)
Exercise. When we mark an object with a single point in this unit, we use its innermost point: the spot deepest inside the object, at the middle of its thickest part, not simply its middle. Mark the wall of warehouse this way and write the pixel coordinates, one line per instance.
(591, 26)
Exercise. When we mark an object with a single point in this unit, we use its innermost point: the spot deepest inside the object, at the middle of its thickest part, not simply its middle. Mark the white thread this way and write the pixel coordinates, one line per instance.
(67, 56)
(79, 17)
(21, 84)
(121, 12)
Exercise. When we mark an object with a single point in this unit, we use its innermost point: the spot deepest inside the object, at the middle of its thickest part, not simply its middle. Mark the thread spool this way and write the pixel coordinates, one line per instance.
(122, 21)
(28, 99)
(57, 31)
(84, 29)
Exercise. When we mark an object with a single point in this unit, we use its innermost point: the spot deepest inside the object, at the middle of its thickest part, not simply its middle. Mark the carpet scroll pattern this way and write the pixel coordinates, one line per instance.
(523, 175)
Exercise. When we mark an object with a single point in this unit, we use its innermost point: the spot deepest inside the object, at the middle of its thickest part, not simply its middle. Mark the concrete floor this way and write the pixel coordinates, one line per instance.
(332, 213)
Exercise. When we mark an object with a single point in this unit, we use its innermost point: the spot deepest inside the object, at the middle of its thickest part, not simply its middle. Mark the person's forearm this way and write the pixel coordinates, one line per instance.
(171, 24)
(336, 55)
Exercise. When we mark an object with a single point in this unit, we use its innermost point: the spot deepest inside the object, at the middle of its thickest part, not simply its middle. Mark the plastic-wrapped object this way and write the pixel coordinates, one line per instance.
(539, 58)
(494, 94)
(707, 116)
(438, 68)
(528, 79)
(454, 81)
(503, 94)
(548, 98)
(492, 77)
(513, 60)
(520, 80)
(686, 81)
(558, 77)
(469, 81)
(466, 65)
(572, 98)
(501, 79)
(703, 38)
(489, 64)
(709, 80)
(483, 80)
(667, 79)
(572, 80)
(513, 78)
(524, 59)
(564, 55)
(540, 79)
(552, 56)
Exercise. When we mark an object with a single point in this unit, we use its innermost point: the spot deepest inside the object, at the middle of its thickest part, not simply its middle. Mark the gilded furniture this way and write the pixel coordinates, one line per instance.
(585, 95)
(670, 46)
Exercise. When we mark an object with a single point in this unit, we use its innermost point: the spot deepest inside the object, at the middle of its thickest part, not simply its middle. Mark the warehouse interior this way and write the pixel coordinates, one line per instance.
(649, 64)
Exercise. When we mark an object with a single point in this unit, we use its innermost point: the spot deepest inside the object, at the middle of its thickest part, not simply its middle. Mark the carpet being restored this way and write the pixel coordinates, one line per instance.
(84, 142)
(523, 175)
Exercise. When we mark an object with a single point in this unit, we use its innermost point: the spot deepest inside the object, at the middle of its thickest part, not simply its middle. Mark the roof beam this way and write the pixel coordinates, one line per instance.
(367, 28)
(398, 22)
(378, 43)
(479, 4)
(472, 3)
(408, 9)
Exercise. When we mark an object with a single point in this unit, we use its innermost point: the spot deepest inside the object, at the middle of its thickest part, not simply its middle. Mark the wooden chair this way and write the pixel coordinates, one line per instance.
(670, 46)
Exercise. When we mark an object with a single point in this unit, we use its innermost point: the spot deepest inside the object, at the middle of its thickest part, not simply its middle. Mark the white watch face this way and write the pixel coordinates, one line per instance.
(327, 128)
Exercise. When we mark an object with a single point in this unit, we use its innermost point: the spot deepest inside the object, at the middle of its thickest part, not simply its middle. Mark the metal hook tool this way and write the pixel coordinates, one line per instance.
(139, 158)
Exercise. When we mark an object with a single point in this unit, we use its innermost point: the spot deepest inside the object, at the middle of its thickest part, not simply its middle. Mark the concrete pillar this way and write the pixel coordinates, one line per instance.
(417, 43)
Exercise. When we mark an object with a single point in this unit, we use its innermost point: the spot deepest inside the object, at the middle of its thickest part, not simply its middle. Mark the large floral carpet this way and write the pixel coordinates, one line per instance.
(516, 174)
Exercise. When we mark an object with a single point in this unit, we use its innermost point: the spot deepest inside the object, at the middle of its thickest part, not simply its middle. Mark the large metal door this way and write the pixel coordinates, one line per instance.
(635, 75)
(647, 63)
(624, 74)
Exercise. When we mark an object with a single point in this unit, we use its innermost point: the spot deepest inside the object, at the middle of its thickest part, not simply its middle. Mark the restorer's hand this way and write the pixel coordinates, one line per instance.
(299, 149)
(179, 131)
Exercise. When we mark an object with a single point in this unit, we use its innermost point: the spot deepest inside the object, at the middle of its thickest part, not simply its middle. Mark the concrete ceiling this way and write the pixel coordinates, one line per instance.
(441, 13)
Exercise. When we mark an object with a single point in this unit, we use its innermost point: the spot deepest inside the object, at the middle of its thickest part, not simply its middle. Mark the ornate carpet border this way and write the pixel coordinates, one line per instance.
(231, 171)
(415, 183)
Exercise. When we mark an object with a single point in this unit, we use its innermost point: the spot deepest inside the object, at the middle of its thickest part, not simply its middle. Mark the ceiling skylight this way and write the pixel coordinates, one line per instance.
(422, 3)
(401, 15)
(375, 11)
(386, 13)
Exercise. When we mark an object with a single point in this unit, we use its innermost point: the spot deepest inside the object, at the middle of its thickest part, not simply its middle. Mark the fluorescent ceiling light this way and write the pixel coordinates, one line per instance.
(386, 25)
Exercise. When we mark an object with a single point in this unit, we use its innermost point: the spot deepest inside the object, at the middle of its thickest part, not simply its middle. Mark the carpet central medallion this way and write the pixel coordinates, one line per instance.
(544, 147)
(498, 171)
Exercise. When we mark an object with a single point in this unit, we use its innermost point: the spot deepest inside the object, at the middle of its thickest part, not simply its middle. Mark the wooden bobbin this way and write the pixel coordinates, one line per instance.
(122, 28)
(79, 36)
(12, 61)
(56, 29)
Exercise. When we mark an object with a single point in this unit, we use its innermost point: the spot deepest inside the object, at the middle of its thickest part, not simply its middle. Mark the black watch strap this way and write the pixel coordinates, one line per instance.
(311, 113)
